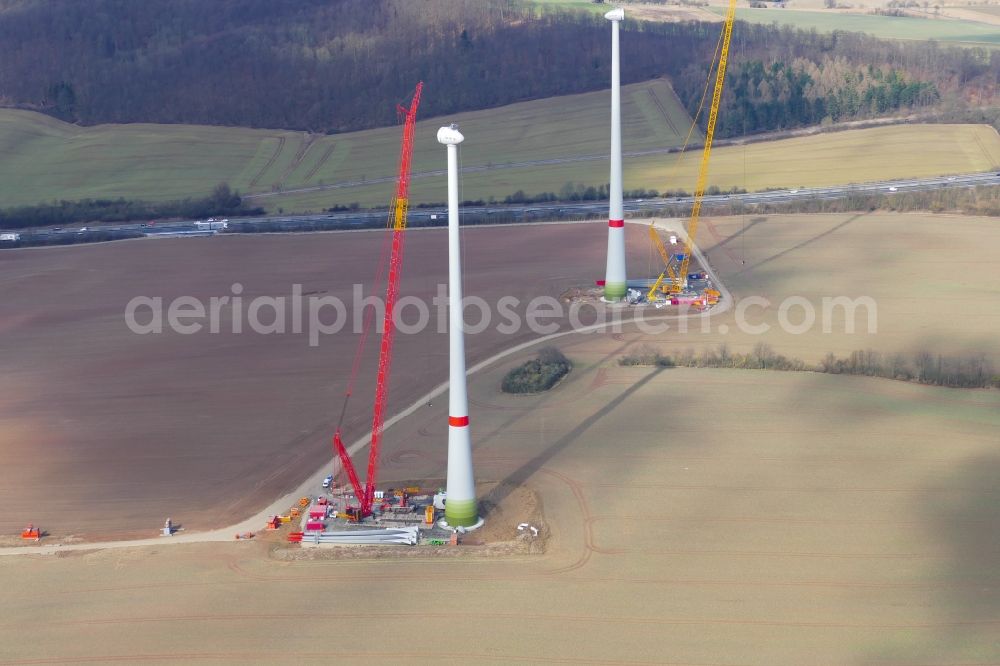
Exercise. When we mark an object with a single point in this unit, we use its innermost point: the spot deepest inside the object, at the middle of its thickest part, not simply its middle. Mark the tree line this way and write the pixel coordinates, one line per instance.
(222, 201)
(339, 65)
(924, 367)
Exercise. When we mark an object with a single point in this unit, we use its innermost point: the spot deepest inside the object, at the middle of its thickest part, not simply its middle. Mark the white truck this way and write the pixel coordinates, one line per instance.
(211, 224)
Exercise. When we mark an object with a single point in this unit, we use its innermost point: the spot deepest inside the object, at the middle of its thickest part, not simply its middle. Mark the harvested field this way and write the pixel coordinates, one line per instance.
(811, 518)
(693, 515)
(104, 433)
(208, 428)
(932, 280)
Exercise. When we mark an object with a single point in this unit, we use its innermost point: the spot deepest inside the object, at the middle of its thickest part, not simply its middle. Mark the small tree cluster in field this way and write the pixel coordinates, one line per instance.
(539, 374)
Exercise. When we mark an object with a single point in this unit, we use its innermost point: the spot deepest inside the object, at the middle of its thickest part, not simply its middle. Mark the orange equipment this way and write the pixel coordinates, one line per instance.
(429, 514)
(31, 533)
(304, 501)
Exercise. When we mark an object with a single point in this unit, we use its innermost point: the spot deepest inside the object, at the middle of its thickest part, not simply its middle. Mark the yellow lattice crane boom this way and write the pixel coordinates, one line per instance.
(699, 190)
(665, 255)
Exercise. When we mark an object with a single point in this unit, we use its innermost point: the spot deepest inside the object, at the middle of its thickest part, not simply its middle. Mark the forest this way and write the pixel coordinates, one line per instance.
(339, 65)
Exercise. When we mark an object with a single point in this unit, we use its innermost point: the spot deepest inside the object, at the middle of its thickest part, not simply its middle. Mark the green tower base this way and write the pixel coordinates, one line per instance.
(461, 513)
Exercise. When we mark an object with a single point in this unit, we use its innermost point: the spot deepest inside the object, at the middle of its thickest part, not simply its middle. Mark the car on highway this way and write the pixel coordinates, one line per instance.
(893, 188)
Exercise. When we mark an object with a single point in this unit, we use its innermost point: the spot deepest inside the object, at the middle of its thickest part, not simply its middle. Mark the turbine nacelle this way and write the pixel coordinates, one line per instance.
(450, 136)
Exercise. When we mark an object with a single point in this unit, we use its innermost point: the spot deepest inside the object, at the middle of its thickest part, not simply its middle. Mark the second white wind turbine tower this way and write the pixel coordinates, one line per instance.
(615, 281)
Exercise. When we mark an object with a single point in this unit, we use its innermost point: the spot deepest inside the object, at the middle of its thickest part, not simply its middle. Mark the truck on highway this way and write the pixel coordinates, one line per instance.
(212, 224)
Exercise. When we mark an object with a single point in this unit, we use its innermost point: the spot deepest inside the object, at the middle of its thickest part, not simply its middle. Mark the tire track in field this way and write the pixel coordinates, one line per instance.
(408, 656)
(246, 577)
(821, 522)
(720, 242)
(663, 111)
(502, 616)
(983, 149)
(324, 158)
(299, 156)
(833, 586)
(791, 489)
(270, 163)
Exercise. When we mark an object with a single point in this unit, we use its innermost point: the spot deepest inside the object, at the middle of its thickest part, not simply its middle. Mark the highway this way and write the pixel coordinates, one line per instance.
(523, 212)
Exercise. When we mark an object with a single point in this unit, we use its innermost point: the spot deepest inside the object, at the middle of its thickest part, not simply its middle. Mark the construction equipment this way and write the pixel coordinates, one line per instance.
(678, 280)
(667, 262)
(656, 286)
(366, 495)
(31, 533)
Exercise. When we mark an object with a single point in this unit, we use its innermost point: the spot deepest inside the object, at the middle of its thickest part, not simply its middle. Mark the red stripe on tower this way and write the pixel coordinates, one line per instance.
(458, 421)
(616, 223)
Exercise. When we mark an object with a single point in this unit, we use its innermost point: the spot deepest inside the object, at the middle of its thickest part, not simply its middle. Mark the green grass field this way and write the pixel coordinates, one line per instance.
(46, 159)
(967, 32)
(887, 27)
(587, 5)
(900, 151)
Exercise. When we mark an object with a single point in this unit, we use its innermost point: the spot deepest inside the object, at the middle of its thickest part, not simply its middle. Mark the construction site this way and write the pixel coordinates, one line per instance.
(368, 514)
(648, 512)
